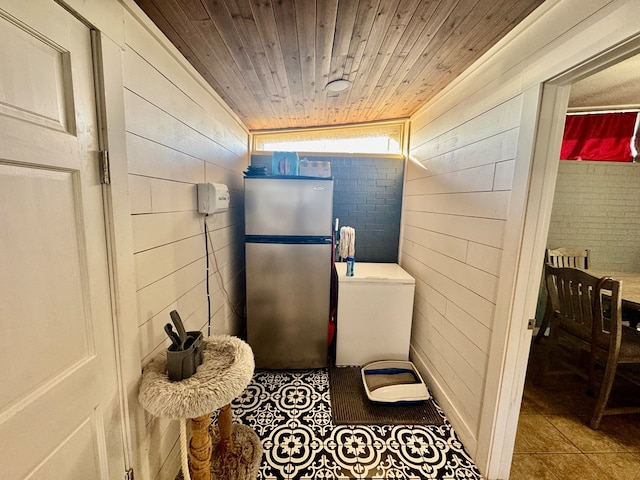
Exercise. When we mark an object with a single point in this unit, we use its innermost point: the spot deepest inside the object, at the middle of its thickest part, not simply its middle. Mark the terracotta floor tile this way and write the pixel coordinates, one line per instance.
(559, 394)
(624, 429)
(537, 435)
(554, 418)
(528, 406)
(584, 437)
(529, 466)
(575, 467)
(618, 465)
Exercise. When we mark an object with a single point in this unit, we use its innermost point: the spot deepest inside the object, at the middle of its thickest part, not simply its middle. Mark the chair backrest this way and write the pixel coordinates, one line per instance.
(568, 257)
(577, 302)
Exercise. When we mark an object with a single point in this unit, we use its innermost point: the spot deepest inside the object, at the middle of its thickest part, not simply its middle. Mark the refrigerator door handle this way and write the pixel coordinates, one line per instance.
(289, 239)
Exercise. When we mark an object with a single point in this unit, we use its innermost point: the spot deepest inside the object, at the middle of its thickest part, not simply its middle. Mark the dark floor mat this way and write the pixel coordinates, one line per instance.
(350, 405)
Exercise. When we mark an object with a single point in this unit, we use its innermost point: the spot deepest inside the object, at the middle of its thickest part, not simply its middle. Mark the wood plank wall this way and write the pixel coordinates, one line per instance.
(454, 220)
(456, 214)
(178, 135)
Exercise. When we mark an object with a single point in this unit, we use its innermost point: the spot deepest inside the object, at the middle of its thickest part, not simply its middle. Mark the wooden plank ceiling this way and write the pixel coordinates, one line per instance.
(270, 60)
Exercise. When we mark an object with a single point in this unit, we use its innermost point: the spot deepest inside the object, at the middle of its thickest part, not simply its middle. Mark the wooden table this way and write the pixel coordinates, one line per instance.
(630, 283)
(630, 286)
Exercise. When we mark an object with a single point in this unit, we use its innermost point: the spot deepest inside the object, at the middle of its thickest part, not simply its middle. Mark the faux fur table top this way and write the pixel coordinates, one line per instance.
(226, 370)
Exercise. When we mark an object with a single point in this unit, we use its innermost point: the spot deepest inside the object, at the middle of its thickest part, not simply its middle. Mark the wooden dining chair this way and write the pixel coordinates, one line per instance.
(578, 323)
(568, 257)
(562, 257)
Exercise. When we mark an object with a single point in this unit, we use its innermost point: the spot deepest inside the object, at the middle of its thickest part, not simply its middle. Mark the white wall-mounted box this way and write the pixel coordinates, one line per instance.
(212, 198)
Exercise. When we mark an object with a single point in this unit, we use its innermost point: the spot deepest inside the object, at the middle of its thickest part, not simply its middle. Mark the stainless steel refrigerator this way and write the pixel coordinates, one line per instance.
(288, 247)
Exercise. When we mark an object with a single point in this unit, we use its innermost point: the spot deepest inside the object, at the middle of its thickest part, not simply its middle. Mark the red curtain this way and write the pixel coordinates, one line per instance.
(601, 136)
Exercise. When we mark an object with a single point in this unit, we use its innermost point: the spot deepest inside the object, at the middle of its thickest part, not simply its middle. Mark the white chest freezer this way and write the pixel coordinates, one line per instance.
(375, 309)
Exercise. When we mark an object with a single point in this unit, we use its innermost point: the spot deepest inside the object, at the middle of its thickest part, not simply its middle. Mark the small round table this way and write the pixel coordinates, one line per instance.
(230, 451)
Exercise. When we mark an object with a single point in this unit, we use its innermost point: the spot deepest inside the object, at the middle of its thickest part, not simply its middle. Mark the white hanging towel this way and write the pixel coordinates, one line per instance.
(347, 246)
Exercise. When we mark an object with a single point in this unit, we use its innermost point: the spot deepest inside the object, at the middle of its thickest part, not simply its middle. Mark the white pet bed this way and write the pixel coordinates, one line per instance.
(394, 382)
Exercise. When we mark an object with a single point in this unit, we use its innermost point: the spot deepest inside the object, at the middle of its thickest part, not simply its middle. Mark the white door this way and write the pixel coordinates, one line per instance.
(59, 402)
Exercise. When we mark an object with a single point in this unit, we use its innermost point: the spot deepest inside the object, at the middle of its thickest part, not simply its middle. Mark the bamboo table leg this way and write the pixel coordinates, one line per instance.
(200, 448)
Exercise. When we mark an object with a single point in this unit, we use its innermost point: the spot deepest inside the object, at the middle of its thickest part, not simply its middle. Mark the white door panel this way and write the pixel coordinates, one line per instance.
(59, 407)
(34, 88)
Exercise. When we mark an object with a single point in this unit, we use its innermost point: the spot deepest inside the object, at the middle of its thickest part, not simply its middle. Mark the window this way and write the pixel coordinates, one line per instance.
(378, 138)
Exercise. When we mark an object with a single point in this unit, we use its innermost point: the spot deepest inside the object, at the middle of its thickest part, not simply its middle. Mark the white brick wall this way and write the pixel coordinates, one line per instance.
(597, 206)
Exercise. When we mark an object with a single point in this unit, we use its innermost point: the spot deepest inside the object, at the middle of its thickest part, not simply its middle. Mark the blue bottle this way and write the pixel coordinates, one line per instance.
(350, 263)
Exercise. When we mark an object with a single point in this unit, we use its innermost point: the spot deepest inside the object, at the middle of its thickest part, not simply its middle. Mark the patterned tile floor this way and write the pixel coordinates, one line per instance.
(291, 413)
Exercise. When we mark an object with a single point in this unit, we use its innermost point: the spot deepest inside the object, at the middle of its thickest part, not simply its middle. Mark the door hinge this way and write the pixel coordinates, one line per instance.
(128, 475)
(105, 172)
(531, 324)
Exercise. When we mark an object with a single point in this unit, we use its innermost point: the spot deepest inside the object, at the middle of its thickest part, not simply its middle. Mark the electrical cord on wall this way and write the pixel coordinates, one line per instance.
(206, 251)
(208, 242)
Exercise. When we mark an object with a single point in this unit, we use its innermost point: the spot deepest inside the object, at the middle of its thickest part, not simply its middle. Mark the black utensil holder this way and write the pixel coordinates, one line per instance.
(181, 364)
